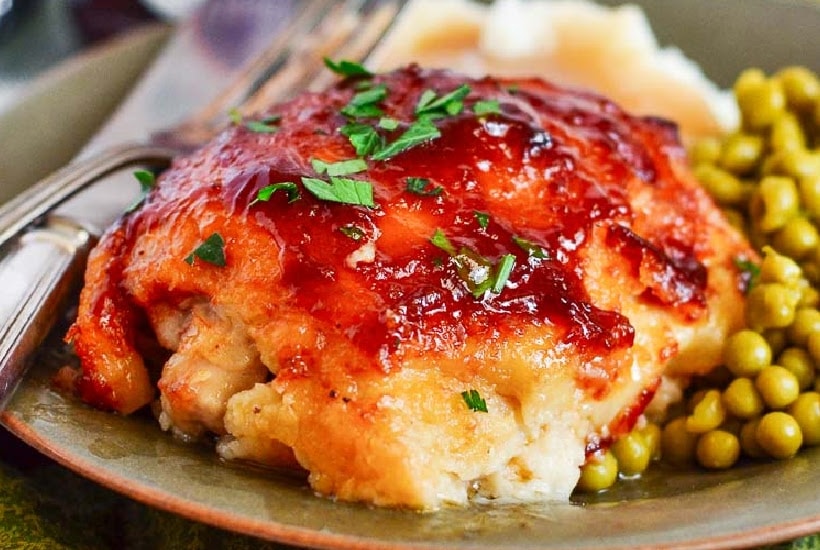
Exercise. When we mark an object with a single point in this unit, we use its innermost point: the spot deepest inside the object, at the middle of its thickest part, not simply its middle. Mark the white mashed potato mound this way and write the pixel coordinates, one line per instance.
(574, 42)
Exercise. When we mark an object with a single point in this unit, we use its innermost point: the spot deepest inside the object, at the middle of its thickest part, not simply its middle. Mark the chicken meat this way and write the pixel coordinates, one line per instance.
(418, 287)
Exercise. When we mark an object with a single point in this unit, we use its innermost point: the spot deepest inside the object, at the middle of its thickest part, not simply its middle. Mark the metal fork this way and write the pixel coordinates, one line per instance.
(53, 249)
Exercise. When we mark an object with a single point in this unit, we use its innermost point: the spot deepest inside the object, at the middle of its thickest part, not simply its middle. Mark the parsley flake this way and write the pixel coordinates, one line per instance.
(264, 126)
(388, 123)
(146, 179)
(448, 104)
(440, 240)
(364, 103)
(362, 137)
(474, 401)
(352, 232)
(482, 218)
(264, 194)
(750, 271)
(530, 248)
(420, 186)
(343, 190)
(346, 67)
(419, 132)
(340, 168)
(487, 107)
(502, 272)
(212, 250)
(235, 116)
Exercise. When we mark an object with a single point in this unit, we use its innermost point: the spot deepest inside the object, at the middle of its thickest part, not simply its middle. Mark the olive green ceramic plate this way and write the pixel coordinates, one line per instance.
(751, 505)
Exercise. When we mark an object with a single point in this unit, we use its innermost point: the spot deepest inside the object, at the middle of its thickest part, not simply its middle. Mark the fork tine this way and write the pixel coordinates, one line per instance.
(254, 76)
(353, 34)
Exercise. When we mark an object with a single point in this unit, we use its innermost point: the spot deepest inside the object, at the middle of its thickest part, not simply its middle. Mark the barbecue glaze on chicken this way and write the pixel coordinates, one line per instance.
(555, 258)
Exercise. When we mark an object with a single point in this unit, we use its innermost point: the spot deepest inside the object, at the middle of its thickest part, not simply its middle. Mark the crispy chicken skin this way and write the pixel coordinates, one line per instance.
(340, 338)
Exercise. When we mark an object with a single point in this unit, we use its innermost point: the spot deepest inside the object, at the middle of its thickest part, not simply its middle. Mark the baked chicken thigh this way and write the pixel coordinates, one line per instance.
(419, 288)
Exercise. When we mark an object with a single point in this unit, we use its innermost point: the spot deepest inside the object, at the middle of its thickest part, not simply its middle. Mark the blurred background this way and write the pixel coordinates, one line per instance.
(35, 35)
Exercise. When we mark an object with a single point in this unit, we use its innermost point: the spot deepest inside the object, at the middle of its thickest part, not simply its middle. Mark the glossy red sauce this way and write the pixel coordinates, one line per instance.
(573, 153)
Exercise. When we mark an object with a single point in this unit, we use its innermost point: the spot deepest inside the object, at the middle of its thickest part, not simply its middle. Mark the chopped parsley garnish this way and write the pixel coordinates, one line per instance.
(388, 123)
(146, 179)
(487, 107)
(353, 232)
(421, 186)
(419, 132)
(364, 138)
(343, 190)
(440, 240)
(264, 194)
(482, 218)
(502, 272)
(530, 248)
(346, 67)
(474, 401)
(340, 168)
(235, 115)
(265, 125)
(749, 270)
(477, 272)
(448, 104)
(212, 250)
(365, 103)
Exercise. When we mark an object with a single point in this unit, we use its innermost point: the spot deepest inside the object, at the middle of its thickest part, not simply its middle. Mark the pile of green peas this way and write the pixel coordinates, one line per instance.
(764, 401)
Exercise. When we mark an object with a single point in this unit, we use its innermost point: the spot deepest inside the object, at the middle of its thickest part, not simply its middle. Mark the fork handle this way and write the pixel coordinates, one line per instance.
(43, 267)
(37, 276)
(39, 199)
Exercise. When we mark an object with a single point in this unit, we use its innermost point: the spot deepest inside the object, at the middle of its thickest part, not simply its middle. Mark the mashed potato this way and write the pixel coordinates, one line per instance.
(575, 42)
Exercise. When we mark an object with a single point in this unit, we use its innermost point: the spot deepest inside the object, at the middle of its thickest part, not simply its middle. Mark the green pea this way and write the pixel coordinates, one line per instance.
(746, 353)
(806, 321)
(800, 163)
(708, 414)
(748, 439)
(787, 134)
(651, 434)
(801, 86)
(747, 80)
(777, 268)
(810, 297)
(779, 435)
(717, 450)
(720, 184)
(775, 203)
(798, 361)
(806, 412)
(809, 190)
(778, 387)
(677, 444)
(742, 400)
(705, 151)
(761, 104)
(599, 473)
(797, 238)
(771, 305)
(741, 152)
(632, 453)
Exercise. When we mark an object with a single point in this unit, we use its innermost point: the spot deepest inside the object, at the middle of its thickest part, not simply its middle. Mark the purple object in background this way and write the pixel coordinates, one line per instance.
(230, 30)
